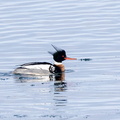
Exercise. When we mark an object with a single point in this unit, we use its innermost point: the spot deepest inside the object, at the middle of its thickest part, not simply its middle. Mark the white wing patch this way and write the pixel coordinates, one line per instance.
(40, 67)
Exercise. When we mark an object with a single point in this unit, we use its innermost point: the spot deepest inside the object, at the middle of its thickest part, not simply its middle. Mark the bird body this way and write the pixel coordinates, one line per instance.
(45, 68)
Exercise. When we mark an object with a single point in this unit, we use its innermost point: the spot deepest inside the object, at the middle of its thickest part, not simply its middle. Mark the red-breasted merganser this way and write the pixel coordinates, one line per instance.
(45, 68)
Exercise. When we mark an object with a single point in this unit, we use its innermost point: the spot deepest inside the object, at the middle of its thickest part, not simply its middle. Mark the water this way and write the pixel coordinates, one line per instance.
(89, 31)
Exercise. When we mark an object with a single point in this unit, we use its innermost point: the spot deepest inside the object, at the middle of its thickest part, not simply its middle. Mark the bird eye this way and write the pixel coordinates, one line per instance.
(63, 56)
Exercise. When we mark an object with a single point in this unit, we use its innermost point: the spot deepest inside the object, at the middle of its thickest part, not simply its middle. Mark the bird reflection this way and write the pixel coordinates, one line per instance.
(59, 98)
(59, 87)
(58, 78)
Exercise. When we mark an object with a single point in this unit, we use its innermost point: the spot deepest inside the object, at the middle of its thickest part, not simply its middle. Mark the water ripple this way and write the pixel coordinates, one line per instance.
(87, 30)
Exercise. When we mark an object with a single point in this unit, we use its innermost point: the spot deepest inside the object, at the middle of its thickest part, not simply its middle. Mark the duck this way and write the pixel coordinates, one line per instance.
(45, 68)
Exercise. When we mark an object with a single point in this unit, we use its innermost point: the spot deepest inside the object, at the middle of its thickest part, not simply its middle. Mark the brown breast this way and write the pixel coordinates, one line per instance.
(61, 67)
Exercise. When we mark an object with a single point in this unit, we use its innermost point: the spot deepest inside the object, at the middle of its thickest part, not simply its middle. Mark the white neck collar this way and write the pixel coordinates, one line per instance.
(57, 63)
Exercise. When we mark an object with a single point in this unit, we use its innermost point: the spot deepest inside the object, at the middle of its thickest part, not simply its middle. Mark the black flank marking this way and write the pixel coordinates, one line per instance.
(35, 63)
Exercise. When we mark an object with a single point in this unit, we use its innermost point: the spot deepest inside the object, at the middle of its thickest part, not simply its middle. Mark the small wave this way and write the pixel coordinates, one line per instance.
(69, 71)
(5, 74)
(85, 59)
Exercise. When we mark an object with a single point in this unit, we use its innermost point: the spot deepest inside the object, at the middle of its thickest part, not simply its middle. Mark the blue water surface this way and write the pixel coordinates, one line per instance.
(89, 31)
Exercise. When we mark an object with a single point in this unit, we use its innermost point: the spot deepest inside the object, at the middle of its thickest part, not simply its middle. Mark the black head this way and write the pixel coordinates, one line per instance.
(60, 55)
